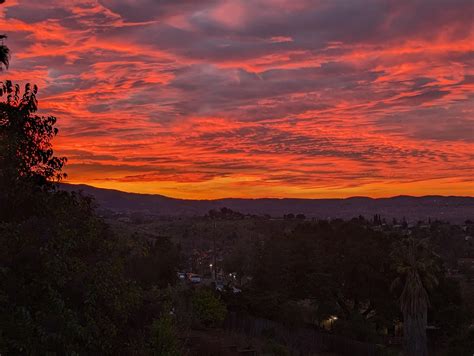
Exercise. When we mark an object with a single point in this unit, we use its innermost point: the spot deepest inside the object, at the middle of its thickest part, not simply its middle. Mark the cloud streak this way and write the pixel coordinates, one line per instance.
(252, 98)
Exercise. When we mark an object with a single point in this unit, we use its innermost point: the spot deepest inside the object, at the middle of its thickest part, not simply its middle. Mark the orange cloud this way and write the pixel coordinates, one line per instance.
(254, 98)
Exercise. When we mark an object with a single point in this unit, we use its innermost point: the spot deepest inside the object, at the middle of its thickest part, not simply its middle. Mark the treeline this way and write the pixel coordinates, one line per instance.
(366, 282)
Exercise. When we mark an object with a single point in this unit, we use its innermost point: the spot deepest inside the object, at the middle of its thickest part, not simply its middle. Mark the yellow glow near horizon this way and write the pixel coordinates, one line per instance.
(225, 188)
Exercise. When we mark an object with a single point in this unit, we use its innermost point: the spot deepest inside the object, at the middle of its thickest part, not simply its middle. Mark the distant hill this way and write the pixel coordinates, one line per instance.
(451, 208)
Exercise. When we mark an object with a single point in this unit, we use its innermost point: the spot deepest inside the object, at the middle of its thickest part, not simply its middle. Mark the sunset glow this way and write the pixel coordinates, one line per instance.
(254, 98)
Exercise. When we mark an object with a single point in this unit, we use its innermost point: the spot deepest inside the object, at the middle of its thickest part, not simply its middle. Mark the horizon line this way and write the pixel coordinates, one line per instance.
(270, 198)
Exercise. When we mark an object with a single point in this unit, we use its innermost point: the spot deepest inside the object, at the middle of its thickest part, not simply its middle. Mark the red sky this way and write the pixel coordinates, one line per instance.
(255, 98)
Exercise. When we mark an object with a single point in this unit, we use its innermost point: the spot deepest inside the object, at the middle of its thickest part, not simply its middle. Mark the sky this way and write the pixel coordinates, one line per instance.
(254, 98)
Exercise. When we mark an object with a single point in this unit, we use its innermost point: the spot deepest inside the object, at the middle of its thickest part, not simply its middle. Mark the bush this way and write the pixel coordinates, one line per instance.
(165, 339)
(276, 349)
(207, 308)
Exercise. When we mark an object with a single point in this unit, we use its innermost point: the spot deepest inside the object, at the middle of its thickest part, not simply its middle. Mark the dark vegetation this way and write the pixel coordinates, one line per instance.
(73, 282)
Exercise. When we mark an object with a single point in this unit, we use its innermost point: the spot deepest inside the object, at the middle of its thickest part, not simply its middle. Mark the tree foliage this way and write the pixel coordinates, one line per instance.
(208, 309)
(62, 281)
(165, 338)
(341, 267)
(28, 165)
(417, 267)
(64, 287)
(4, 51)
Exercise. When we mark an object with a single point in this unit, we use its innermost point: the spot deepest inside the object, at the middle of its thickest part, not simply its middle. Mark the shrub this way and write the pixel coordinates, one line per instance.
(165, 339)
(207, 308)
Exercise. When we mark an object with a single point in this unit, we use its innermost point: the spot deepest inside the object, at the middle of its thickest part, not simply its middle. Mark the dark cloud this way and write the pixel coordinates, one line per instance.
(433, 123)
(147, 10)
(210, 90)
(37, 11)
(87, 156)
(427, 96)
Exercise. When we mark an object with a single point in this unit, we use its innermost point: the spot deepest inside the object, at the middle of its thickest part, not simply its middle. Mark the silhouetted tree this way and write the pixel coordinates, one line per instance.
(4, 50)
(27, 161)
(416, 267)
(62, 283)
(4, 53)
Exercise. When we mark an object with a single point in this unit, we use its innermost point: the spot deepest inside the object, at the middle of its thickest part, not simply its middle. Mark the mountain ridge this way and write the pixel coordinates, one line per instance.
(68, 187)
(452, 208)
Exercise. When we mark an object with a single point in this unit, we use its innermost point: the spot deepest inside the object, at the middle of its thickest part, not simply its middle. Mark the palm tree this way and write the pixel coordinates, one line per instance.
(416, 266)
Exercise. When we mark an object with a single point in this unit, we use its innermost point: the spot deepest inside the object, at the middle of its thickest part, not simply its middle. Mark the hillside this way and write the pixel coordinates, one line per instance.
(451, 208)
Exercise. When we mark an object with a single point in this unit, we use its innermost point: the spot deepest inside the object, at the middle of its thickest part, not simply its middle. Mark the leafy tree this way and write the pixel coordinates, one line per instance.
(4, 52)
(27, 162)
(448, 310)
(240, 260)
(416, 266)
(276, 349)
(341, 267)
(165, 341)
(207, 308)
(155, 264)
(62, 281)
